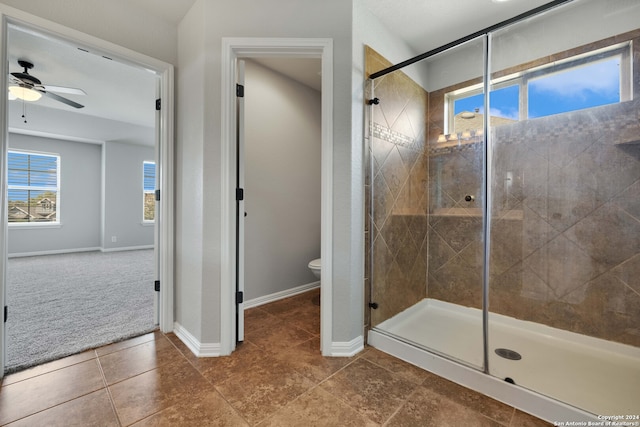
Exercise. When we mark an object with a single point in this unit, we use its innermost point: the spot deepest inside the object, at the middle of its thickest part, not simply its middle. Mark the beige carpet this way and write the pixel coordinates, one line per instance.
(64, 304)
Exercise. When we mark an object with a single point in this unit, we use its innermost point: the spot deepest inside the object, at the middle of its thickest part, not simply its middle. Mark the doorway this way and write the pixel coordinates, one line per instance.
(280, 173)
(161, 155)
(233, 50)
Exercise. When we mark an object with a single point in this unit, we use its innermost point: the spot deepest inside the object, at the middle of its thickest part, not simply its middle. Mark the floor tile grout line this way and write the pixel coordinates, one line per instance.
(355, 358)
(59, 403)
(108, 390)
(358, 357)
(47, 372)
(215, 390)
(210, 382)
(401, 406)
(282, 318)
(513, 416)
(295, 399)
(94, 350)
(150, 369)
(422, 384)
(125, 348)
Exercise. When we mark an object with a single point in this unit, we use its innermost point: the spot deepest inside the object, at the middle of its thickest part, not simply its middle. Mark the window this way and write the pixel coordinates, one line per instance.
(149, 191)
(583, 81)
(33, 187)
(466, 108)
(574, 88)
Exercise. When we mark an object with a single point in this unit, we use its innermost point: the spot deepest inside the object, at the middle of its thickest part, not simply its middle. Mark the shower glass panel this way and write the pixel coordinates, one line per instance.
(564, 295)
(426, 142)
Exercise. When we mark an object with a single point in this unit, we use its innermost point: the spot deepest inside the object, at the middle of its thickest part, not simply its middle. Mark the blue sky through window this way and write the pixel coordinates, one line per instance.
(33, 171)
(587, 86)
(590, 85)
(504, 103)
(149, 176)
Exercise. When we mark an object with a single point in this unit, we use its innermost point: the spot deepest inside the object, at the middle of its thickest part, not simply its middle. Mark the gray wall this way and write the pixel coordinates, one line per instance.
(199, 155)
(282, 181)
(81, 198)
(80, 189)
(117, 21)
(123, 196)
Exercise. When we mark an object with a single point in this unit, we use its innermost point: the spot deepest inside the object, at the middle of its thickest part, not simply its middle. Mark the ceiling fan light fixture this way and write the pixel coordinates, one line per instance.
(25, 93)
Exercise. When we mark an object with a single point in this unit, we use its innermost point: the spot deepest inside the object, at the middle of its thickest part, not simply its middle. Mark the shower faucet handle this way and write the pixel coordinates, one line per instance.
(469, 198)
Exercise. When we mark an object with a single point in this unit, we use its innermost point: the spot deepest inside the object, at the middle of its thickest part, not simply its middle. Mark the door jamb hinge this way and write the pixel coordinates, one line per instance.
(156, 286)
(157, 195)
(239, 194)
(6, 313)
(239, 297)
(158, 104)
(239, 91)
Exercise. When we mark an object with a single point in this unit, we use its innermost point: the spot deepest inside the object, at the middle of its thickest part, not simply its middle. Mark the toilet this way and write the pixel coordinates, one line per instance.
(314, 266)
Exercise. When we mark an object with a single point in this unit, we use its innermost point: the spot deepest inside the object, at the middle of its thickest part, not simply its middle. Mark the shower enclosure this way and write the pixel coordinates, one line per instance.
(503, 207)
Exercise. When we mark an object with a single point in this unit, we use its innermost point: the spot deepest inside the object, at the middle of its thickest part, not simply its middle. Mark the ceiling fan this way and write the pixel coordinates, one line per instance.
(25, 86)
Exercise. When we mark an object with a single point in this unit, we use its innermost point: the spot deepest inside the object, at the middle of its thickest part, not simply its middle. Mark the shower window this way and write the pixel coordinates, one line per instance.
(467, 106)
(555, 88)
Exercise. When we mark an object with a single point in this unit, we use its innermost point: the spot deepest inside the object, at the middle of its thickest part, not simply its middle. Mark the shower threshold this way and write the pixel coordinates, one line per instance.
(560, 376)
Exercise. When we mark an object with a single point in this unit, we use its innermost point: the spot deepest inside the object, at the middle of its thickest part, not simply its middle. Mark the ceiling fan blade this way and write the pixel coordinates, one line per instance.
(61, 99)
(63, 89)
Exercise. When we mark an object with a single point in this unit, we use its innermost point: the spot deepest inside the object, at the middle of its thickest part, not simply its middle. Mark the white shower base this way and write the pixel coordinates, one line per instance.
(596, 376)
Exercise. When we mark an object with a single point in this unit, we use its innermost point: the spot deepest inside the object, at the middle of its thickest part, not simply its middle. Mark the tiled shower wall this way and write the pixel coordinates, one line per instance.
(398, 222)
(565, 235)
(573, 260)
(565, 232)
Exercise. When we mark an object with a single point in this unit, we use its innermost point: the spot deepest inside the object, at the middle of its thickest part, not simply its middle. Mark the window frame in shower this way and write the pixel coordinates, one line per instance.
(523, 78)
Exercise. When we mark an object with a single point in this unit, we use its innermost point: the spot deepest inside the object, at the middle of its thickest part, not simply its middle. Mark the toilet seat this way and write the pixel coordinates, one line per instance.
(315, 264)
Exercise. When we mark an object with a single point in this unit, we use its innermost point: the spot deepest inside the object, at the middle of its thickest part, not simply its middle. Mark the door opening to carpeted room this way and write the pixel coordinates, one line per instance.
(81, 211)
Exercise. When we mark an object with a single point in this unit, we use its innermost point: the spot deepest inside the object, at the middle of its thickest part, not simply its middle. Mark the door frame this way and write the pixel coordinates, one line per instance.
(248, 47)
(165, 153)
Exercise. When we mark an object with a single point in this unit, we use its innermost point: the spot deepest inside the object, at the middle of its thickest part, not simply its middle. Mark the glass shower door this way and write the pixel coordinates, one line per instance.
(565, 212)
(426, 196)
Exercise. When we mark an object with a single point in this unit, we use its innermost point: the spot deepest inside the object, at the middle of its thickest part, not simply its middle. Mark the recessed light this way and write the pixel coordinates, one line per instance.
(499, 1)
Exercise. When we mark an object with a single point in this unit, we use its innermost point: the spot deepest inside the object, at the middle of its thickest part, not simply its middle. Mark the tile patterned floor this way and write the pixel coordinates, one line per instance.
(277, 377)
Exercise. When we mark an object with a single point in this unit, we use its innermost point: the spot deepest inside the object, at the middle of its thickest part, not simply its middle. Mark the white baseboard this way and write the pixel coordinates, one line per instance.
(71, 251)
(54, 252)
(197, 348)
(127, 248)
(255, 302)
(347, 349)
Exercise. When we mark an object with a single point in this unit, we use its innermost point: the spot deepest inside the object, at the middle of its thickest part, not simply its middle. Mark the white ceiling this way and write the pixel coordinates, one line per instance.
(120, 98)
(115, 92)
(304, 70)
(428, 24)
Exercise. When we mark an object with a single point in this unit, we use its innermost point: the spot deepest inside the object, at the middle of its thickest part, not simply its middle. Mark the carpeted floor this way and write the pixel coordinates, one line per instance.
(64, 304)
